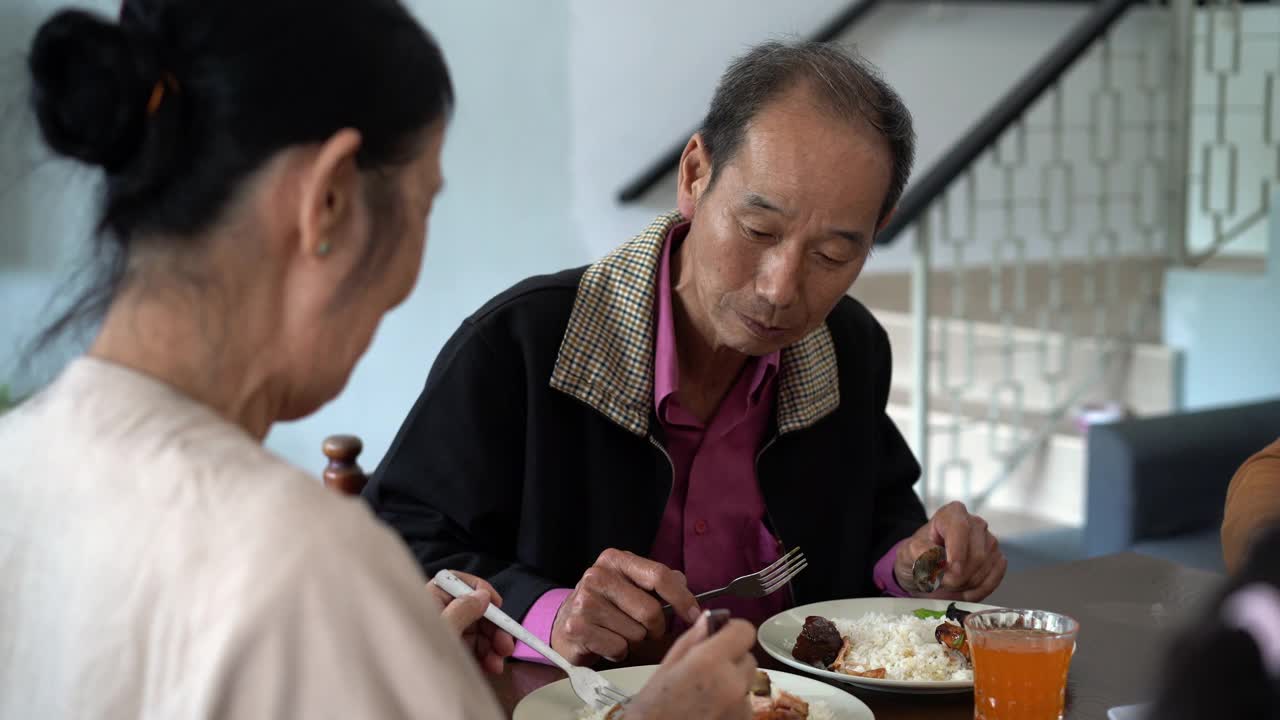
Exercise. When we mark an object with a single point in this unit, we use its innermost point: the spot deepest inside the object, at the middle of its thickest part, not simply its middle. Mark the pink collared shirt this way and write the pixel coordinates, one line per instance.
(715, 526)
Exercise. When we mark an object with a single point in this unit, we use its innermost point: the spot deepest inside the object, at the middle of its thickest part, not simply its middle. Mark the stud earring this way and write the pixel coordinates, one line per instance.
(322, 249)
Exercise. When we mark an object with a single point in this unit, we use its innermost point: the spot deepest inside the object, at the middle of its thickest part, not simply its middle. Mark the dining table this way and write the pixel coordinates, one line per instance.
(1130, 607)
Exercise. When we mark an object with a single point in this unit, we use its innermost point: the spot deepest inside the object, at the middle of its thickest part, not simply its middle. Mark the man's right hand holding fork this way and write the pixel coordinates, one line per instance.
(618, 605)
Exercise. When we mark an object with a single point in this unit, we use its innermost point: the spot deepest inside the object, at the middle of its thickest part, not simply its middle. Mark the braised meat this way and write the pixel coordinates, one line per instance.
(784, 707)
(818, 643)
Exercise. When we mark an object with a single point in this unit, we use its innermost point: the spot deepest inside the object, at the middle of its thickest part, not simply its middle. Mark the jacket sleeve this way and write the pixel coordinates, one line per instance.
(898, 510)
(451, 484)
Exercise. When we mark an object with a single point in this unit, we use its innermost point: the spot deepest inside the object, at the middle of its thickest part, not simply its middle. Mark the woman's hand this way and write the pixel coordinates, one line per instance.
(701, 677)
(489, 645)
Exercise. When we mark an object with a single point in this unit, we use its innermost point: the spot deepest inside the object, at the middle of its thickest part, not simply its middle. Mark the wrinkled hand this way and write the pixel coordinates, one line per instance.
(613, 608)
(701, 677)
(489, 645)
(975, 564)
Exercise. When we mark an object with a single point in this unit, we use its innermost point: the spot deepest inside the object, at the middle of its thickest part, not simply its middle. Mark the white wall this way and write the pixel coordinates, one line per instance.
(46, 205)
(1224, 324)
(504, 214)
(642, 75)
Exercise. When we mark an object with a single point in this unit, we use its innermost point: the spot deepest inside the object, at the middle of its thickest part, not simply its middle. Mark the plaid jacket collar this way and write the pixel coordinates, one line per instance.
(606, 356)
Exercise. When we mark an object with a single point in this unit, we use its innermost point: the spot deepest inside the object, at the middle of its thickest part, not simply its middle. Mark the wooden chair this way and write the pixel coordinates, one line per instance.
(343, 473)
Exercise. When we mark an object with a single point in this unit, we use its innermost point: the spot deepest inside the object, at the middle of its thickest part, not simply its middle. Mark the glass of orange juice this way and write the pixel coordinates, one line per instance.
(1020, 661)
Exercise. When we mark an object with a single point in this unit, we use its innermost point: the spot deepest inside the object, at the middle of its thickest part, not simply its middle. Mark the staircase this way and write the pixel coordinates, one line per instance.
(1042, 242)
(1047, 489)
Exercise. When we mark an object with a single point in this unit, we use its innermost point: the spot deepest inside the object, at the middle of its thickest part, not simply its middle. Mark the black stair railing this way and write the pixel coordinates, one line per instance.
(977, 140)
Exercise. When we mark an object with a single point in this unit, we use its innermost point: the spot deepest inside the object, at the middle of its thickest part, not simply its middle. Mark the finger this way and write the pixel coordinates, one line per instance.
(673, 587)
(489, 660)
(978, 536)
(976, 564)
(604, 643)
(746, 667)
(476, 583)
(740, 675)
(439, 596)
(463, 612)
(935, 536)
(954, 521)
(494, 664)
(603, 611)
(733, 641)
(481, 584)
(994, 577)
(942, 518)
(653, 576)
(481, 647)
(963, 588)
(683, 644)
(984, 586)
(991, 554)
(502, 642)
(918, 546)
(638, 606)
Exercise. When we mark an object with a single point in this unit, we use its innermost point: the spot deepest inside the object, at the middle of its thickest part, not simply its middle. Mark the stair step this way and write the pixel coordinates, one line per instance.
(1142, 377)
(1050, 484)
(1115, 282)
(977, 411)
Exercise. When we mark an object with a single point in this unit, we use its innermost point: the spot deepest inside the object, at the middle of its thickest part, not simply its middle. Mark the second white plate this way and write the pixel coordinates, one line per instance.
(557, 701)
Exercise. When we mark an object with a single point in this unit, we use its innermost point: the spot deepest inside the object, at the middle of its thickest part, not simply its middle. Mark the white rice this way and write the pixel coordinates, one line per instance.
(904, 645)
(817, 710)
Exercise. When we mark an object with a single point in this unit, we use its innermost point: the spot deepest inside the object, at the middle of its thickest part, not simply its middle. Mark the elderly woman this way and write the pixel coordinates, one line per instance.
(270, 166)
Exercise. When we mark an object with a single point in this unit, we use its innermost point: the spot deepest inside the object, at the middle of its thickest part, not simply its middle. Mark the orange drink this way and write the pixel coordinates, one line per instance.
(1020, 662)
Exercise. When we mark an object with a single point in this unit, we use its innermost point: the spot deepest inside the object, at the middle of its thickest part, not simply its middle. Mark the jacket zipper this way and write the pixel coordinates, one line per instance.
(671, 485)
(791, 591)
(777, 533)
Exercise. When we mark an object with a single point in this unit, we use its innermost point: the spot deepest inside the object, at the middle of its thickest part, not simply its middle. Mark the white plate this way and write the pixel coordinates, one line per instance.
(778, 636)
(557, 701)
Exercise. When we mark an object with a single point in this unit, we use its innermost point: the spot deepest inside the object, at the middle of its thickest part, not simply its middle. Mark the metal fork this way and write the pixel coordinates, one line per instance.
(760, 584)
(587, 684)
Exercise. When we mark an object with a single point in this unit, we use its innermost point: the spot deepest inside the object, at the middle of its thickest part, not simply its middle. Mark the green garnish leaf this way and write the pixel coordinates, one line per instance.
(925, 614)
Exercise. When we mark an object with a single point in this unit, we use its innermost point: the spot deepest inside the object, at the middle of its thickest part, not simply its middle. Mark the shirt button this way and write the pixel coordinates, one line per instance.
(700, 527)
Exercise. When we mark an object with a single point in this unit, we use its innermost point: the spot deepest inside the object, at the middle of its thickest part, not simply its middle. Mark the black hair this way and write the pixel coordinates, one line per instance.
(1215, 668)
(842, 81)
(179, 101)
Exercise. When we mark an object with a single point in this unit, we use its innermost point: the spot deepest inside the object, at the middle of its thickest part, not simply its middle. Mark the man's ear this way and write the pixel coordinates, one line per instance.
(695, 175)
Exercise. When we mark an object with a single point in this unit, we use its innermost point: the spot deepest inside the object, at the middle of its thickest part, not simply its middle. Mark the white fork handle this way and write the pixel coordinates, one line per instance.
(454, 585)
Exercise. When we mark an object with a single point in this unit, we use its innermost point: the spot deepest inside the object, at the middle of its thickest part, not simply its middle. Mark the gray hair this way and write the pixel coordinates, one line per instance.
(844, 83)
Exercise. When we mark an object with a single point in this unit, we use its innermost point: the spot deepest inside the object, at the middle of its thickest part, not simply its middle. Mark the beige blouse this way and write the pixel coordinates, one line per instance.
(157, 562)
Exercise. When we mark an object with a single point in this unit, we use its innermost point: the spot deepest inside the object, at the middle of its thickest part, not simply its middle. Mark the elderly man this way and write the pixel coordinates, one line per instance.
(610, 438)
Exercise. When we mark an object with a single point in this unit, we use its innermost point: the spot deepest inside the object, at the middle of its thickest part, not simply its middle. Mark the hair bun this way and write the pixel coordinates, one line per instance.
(90, 84)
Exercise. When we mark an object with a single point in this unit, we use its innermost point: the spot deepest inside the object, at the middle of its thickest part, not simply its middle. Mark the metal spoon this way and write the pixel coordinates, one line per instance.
(927, 570)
